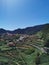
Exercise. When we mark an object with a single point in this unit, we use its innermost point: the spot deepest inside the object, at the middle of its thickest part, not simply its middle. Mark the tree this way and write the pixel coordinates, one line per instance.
(47, 43)
(37, 59)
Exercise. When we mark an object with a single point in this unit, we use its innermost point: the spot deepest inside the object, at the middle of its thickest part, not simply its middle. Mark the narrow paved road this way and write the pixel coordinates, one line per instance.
(40, 48)
(36, 46)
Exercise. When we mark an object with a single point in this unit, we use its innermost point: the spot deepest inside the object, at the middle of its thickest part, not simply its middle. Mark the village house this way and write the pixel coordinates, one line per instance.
(11, 44)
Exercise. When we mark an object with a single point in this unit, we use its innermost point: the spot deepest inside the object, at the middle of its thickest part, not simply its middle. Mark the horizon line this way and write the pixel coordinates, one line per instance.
(23, 27)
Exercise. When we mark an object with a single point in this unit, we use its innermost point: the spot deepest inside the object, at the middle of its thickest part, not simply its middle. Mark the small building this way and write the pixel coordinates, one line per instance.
(11, 44)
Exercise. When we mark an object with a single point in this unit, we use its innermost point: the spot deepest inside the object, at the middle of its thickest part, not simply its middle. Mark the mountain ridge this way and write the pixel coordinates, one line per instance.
(27, 30)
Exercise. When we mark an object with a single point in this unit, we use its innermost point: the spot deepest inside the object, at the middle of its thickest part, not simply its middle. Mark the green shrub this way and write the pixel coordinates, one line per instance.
(29, 51)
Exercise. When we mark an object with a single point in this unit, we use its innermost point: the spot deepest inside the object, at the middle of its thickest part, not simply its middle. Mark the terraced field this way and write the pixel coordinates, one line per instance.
(21, 56)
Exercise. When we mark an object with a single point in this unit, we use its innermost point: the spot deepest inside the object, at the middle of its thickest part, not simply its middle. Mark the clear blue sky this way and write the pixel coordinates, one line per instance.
(23, 13)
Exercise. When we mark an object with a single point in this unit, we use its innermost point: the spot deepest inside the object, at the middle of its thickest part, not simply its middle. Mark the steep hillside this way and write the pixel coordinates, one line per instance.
(44, 33)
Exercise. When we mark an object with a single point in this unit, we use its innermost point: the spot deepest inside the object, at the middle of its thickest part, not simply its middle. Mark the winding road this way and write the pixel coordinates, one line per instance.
(40, 48)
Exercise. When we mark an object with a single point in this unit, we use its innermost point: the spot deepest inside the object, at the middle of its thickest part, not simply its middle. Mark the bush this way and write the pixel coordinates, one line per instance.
(29, 51)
